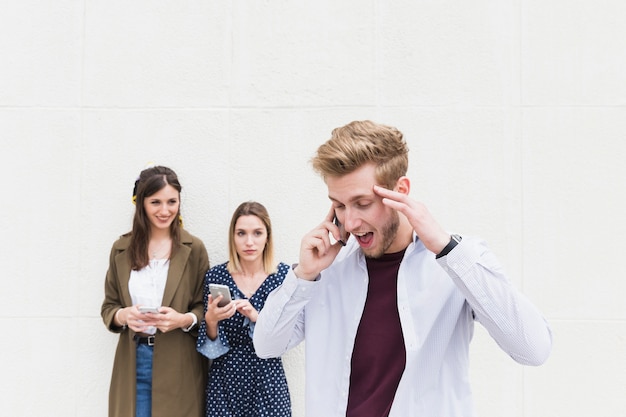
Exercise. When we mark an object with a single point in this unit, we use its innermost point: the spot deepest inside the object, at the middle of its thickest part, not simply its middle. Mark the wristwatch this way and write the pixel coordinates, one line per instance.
(454, 240)
(193, 323)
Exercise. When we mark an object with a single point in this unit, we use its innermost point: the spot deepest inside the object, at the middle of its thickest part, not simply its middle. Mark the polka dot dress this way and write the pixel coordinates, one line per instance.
(240, 383)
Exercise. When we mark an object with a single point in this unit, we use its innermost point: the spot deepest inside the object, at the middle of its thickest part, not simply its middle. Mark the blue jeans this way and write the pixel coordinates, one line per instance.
(144, 381)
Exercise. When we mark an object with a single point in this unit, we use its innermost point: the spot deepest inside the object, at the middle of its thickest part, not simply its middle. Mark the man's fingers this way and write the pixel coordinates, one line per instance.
(331, 215)
(390, 194)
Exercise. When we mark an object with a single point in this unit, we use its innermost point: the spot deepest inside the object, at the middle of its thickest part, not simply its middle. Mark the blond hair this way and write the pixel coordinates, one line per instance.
(251, 208)
(361, 142)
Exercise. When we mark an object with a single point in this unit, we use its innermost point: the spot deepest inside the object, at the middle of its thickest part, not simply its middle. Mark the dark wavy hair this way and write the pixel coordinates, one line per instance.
(150, 181)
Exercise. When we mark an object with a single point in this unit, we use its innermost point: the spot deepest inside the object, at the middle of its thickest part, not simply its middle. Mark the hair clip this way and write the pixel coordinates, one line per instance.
(150, 164)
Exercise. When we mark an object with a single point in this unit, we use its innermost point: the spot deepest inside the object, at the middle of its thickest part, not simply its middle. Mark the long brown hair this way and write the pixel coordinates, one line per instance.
(150, 181)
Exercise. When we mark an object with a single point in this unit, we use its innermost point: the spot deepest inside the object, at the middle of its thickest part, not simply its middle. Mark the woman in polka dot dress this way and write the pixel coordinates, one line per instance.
(240, 383)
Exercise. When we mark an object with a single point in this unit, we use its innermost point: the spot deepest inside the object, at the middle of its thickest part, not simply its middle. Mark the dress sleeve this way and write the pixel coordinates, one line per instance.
(212, 349)
(250, 325)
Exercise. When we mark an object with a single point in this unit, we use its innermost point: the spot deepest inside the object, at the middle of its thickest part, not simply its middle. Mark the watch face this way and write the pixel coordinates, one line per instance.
(456, 238)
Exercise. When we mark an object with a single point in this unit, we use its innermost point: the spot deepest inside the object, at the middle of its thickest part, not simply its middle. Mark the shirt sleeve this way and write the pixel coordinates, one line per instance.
(280, 325)
(250, 325)
(510, 318)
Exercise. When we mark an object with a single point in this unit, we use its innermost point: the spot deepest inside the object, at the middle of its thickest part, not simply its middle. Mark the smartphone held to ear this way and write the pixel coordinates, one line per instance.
(223, 290)
(342, 232)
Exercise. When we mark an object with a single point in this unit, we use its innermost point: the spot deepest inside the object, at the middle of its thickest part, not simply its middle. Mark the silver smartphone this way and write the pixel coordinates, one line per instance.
(146, 309)
(223, 290)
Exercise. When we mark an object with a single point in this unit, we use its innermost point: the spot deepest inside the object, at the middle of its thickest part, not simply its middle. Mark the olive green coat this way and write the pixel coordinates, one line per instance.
(179, 371)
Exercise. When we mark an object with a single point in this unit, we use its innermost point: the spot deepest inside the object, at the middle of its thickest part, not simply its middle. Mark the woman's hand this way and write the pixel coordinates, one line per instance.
(245, 308)
(215, 313)
(168, 319)
(135, 319)
(165, 320)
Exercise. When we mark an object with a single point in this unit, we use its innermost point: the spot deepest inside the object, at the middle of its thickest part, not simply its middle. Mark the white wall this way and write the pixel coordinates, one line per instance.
(514, 112)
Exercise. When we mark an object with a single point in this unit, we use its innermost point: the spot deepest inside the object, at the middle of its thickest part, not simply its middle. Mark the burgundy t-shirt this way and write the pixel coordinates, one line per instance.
(379, 357)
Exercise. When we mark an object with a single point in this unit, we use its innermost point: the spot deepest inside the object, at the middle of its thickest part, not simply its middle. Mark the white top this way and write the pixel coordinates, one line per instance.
(438, 302)
(147, 285)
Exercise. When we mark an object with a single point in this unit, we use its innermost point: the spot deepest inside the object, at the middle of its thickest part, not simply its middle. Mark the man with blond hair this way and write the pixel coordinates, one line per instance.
(387, 307)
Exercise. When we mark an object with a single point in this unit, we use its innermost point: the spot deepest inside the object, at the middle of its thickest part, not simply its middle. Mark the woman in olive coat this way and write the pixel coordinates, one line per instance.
(158, 264)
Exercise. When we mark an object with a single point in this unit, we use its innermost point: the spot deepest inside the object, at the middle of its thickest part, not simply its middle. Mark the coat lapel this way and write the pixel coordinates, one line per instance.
(177, 267)
(122, 264)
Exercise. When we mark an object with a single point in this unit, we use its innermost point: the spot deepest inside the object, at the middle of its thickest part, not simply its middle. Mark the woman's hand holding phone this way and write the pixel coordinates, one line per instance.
(220, 305)
(214, 313)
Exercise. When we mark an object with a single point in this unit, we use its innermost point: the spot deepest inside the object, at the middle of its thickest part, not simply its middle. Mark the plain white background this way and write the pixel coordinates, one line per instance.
(514, 111)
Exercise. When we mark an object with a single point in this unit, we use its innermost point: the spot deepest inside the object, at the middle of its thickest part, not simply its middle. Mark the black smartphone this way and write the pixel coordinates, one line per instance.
(342, 231)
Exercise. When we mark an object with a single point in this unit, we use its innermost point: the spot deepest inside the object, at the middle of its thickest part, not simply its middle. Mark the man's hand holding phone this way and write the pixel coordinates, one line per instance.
(316, 250)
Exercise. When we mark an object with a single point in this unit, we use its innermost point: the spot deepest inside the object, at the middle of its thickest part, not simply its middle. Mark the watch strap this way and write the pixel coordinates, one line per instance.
(454, 240)
(193, 323)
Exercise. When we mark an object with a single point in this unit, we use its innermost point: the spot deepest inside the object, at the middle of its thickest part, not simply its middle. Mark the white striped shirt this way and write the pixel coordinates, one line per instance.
(438, 301)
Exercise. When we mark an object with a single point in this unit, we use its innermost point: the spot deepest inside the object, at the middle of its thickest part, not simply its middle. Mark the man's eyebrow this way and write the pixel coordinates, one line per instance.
(354, 198)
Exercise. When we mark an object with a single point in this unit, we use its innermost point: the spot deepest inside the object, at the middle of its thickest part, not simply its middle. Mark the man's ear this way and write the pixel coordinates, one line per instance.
(403, 185)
